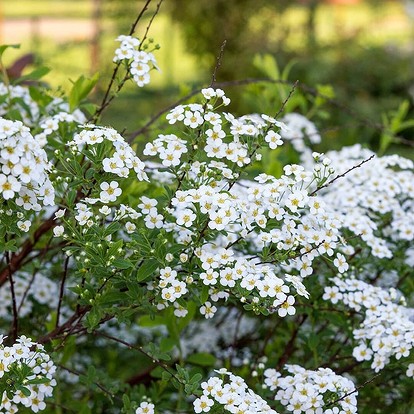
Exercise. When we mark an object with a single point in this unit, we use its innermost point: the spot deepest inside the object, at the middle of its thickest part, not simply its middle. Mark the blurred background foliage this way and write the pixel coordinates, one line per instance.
(353, 58)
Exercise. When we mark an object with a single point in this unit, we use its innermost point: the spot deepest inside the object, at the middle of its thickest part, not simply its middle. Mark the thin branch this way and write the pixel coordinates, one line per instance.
(282, 108)
(62, 289)
(17, 259)
(15, 323)
(354, 391)
(100, 386)
(106, 100)
(290, 346)
(342, 175)
(218, 64)
(157, 9)
(65, 327)
(140, 349)
(158, 115)
(27, 290)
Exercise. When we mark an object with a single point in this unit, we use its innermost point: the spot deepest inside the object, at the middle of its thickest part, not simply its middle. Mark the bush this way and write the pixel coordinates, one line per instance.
(189, 278)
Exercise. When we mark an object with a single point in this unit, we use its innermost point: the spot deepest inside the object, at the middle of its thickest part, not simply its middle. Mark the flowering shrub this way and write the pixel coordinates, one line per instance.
(142, 273)
(27, 374)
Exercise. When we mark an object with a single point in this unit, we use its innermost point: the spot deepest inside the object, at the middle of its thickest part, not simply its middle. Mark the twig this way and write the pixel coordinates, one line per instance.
(65, 327)
(140, 349)
(342, 175)
(100, 386)
(17, 259)
(106, 100)
(354, 391)
(62, 289)
(158, 115)
(290, 346)
(218, 64)
(282, 108)
(15, 323)
(27, 290)
(157, 9)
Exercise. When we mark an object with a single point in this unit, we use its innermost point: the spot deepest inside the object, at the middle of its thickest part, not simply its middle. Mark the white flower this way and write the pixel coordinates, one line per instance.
(110, 191)
(340, 263)
(24, 225)
(8, 186)
(410, 370)
(285, 308)
(145, 408)
(208, 310)
(274, 139)
(203, 404)
(60, 213)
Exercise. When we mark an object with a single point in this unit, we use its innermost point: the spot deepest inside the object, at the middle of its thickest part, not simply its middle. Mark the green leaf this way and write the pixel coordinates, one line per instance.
(71, 197)
(147, 321)
(112, 228)
(313, 341)
(166, 376)
(93, 318)
(122, 264)
(268, 65)
(195, 379)
(167, 344)
(25, 391)
(204, 293)
(203, 359)
(81, 89)
(146, 269)
(126, 401)
(36, 74)
(4, 47)
(37, 381)
(158, 372)
(10, 246)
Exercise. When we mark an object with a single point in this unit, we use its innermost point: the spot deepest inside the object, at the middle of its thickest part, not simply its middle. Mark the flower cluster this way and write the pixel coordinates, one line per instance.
(50, 125)
(19, 97)
(27, 372)
(297, 129)
(28, 288)
(301, 223)
(233, 394)
(386, 330)
(306, 391)
(24, 168)
(169, 148)
(366, 195)
(123, 158)
(224, 137)
(139, 61)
